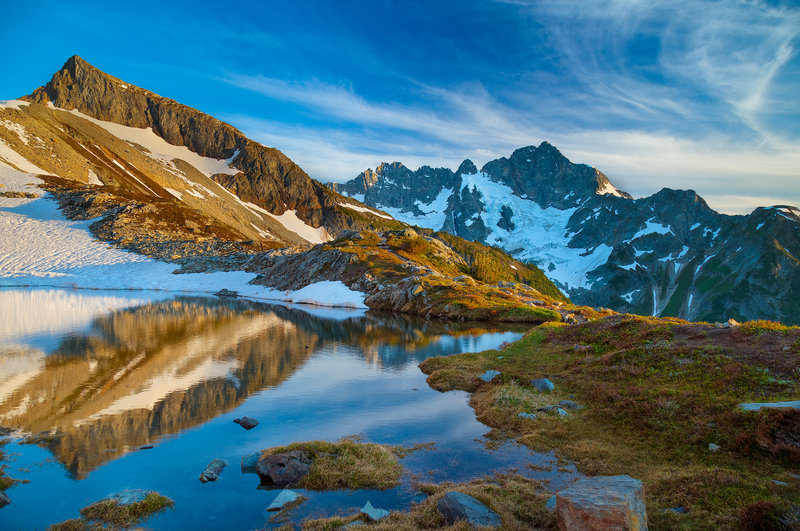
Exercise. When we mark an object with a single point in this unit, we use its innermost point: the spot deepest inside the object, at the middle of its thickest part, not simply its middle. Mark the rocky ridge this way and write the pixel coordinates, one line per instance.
(669, 254)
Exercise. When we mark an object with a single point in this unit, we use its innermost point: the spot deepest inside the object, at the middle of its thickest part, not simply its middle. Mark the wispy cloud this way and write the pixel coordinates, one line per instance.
(655, 94)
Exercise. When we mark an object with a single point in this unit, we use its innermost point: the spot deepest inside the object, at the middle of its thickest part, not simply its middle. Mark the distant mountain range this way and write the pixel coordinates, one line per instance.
(668, 254)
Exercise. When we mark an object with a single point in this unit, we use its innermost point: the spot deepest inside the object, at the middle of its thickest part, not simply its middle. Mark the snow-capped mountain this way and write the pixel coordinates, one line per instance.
(668, 254)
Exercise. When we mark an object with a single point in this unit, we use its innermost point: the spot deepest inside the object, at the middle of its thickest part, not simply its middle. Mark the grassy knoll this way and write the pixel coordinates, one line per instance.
(110, 514)
(656, 393)
(348, 464)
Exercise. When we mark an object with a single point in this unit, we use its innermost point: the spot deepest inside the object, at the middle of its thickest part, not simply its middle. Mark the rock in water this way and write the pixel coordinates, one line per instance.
(543, 385)
(249, 463)
(489, 375)
(455, 506)
(372, 513)
(4, 499)
(284, 498)
(246, 422)
(212, 471)
(602, 503)
(284, 469)
(128, 496)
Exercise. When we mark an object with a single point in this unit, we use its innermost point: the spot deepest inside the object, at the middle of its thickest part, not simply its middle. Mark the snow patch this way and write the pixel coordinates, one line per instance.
(608, 189)
(365, 209)
(13, 104)
(433, 213)
(759, 226)
(12, 158)
(327, 293)
(161, 150)
(175, 193)
(94, 179)
(629, 296)
(652, 228)
(16, 128)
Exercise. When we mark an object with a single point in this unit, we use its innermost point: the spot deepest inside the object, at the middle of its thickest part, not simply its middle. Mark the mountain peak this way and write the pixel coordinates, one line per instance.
(467, 168)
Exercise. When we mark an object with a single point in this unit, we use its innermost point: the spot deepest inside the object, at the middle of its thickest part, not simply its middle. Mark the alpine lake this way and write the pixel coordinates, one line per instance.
(103, 391)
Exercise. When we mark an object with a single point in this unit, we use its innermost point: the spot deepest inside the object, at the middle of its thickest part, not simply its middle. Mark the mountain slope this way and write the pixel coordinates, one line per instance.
(186, 175)
(668, 254)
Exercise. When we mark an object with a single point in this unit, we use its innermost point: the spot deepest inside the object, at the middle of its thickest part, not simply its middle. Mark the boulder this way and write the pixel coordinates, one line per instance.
(283, 469)
(713, 447)
(246, 422)
(227, 294)
(212, 471)
(602, 503)
(249, 463)
(455, 506)
(543, 385)
(569, 404)
(284, 498)
(372, 513)
(4, 499)
(529, 416)
(489, 375)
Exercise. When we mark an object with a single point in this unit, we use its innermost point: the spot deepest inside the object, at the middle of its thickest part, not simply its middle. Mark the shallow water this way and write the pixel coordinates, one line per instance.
(110, 372)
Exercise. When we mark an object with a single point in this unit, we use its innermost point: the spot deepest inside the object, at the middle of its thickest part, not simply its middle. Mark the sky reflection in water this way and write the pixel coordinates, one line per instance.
(112, 372)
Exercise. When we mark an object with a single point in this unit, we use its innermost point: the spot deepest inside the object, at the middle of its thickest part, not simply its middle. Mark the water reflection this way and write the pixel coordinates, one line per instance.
(135, 375)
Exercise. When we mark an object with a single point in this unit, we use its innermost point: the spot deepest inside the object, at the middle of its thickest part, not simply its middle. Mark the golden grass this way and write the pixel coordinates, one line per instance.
(348, 464)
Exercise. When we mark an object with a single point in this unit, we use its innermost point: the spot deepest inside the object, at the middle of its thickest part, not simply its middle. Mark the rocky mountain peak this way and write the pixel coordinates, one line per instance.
(466, 168)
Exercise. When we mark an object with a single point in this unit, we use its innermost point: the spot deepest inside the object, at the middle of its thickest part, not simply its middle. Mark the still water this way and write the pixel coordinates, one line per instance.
(103, 374)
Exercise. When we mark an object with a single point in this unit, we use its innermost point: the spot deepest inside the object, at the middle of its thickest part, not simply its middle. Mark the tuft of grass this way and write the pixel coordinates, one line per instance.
(111, 514)
(347, 464)
(519, 502)
(760, 326)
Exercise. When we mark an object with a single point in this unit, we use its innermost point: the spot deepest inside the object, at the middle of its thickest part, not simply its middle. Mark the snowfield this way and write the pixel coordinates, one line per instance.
(41, 248)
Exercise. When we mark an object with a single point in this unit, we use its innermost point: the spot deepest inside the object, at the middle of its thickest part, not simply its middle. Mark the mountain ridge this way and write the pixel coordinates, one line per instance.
(666, 254)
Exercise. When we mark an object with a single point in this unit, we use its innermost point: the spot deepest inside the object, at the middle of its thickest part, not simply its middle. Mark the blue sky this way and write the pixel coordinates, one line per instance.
(681, 94)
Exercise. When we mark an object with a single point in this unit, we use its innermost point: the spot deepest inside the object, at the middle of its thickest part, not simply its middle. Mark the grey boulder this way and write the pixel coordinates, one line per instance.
(455, 506)
(284, 498)
(212, 471)
(284, 469)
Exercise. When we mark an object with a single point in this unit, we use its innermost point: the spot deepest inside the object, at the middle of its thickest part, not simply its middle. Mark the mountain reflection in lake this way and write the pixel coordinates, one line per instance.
(173, 373)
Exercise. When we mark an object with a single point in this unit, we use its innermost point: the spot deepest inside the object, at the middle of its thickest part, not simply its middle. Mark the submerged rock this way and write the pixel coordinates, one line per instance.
(284, 498)
(488, 376)
(602, 503)
(4, 499)
(284, 469)
(227, 294)
(543, 385)
(212, 471)
(372, 513)
(249, 463)
(455, 506)
(246, 422)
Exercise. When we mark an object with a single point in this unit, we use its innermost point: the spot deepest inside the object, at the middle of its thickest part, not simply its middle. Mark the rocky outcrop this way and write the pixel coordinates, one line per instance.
(602, 503)
(283, 469)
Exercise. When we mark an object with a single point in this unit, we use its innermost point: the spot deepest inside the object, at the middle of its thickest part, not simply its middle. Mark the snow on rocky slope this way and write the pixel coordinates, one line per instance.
(667, 254)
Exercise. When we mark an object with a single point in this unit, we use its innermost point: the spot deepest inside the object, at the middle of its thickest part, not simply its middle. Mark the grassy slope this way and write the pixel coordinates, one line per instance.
(656, 393)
